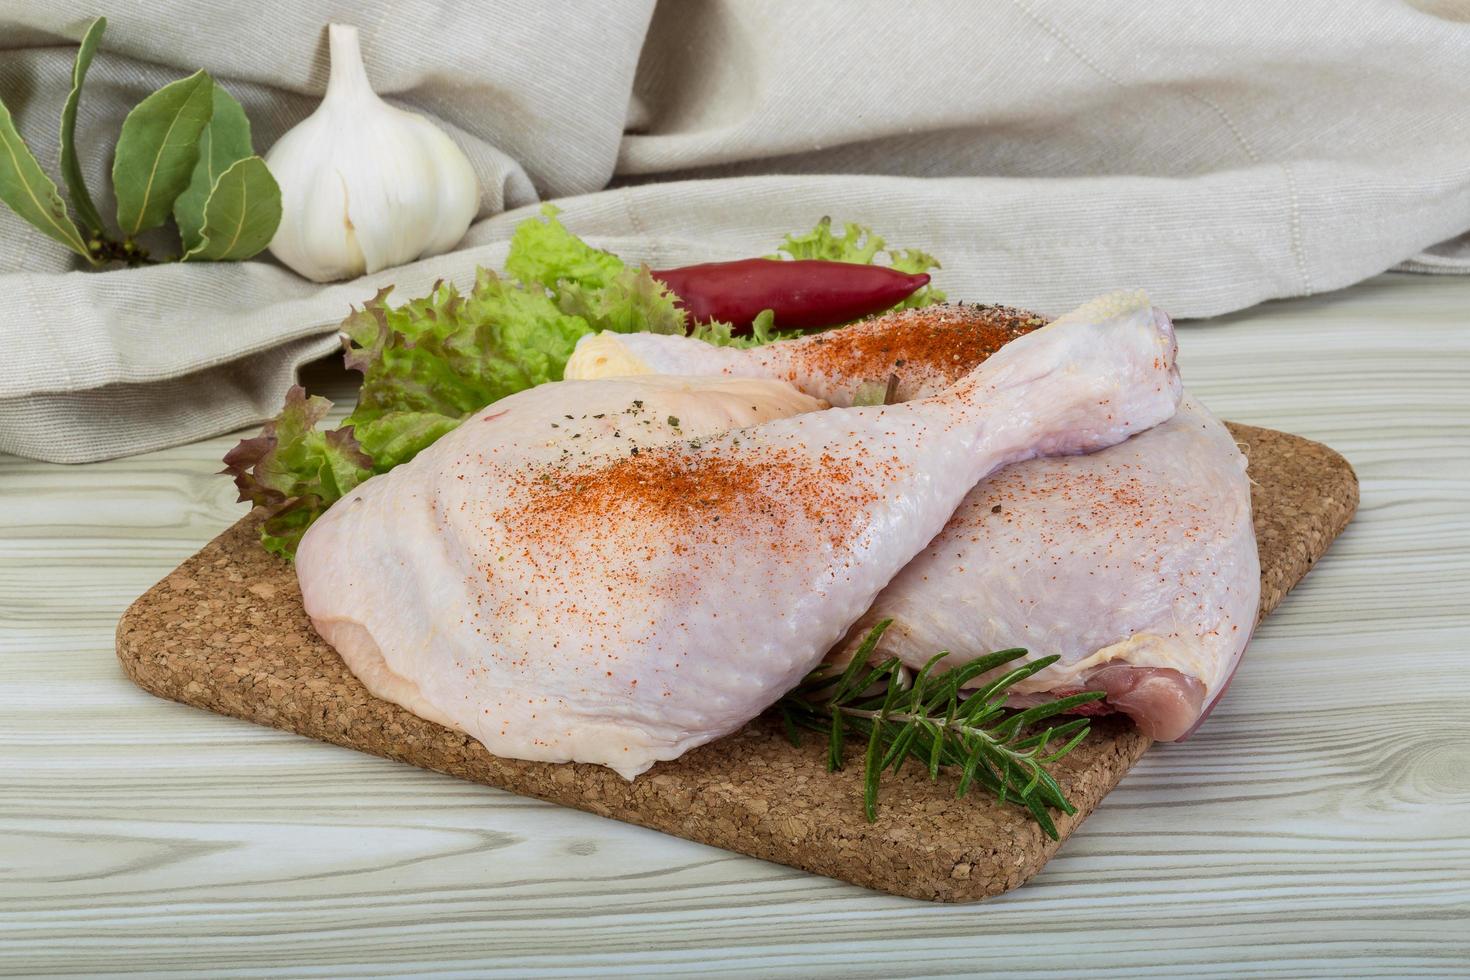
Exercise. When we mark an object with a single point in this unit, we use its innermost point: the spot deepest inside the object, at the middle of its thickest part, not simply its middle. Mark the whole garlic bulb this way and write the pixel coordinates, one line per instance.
(365, 186)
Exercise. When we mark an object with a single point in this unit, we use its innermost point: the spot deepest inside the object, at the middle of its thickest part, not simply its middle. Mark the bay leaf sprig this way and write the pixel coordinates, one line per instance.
(71, 166)
(183, 152)
(933, 720)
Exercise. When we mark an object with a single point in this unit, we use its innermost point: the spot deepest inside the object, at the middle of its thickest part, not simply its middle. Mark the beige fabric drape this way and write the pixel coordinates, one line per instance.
(1216, 154)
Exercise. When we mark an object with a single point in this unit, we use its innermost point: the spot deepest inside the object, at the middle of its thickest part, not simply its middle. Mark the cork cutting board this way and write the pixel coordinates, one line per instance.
(226, 632)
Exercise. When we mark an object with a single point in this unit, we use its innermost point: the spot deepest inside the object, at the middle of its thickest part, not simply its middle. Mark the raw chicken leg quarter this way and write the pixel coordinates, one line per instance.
(584, 572)
(1136, 564)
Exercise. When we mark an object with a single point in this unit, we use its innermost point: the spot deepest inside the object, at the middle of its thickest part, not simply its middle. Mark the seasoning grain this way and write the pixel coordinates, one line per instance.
(685, 489)
(933, 345)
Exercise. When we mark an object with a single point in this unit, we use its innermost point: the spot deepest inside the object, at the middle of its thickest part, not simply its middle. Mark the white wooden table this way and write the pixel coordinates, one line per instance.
(1318, 826)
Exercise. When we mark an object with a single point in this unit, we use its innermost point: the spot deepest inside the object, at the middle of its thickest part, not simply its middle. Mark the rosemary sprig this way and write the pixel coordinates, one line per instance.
(933, 721)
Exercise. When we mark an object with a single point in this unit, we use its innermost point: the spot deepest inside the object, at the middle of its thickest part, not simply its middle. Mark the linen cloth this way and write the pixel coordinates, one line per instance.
(1216, 154)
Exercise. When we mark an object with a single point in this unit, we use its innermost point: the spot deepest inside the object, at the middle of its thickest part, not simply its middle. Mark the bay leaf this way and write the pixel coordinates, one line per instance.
(157, 150)
(225, 140)
(241, 215)
(71, 167)
(30, 193)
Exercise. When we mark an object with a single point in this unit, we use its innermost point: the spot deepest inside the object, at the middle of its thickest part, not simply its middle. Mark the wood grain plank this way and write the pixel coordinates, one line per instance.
(1313, 828)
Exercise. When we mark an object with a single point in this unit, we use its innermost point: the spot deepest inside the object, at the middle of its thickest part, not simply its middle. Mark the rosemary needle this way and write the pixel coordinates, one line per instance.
(934, 722)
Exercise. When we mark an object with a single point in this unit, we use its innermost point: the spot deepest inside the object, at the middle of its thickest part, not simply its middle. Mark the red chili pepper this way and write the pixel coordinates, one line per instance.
(804, 294)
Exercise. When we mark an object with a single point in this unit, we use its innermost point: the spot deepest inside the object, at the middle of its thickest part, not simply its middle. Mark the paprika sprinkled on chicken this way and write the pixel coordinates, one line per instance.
(928, 349)
(1136, 564)
(588, 572)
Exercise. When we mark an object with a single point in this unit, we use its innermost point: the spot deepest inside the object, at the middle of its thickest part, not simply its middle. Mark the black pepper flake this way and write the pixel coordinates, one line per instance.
(995, 509)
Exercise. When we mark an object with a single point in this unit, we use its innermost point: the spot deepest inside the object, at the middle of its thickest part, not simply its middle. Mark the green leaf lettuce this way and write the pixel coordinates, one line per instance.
(295, 470)
(449, 354)
(544, 253)
(426, 366)
(433, 361)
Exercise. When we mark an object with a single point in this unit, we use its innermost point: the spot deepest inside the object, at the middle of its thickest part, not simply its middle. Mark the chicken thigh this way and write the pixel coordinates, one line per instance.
(669, 410)
(570, 576)
(1136, 564)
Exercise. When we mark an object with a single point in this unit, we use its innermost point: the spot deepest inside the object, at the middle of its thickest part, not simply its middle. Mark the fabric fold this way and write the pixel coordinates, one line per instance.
(1043, 153)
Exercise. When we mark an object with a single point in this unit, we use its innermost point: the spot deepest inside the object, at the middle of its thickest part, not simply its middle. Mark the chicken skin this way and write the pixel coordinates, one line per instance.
(1136, 564)
(579, 572)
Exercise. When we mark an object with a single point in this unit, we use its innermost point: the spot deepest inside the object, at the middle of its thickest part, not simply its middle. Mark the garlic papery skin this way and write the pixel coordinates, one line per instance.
(366, 186)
